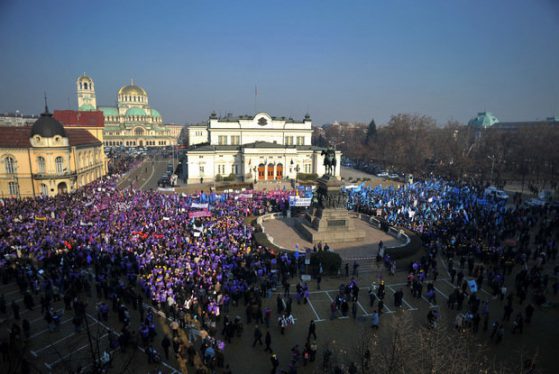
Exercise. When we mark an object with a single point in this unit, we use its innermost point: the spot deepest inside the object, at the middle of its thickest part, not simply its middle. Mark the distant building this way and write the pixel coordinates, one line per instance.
(486, 120)
(16, 119)
(48, 159)
(132, 122)
(252, 148)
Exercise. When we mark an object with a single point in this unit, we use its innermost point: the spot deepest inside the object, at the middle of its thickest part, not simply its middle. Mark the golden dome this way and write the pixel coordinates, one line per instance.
(132, 90)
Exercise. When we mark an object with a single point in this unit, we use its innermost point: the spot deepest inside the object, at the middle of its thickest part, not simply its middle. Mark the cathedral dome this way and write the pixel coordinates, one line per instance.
(135, 112)
(132, 90)
(86, 107)
(155, 113)
(46, 126)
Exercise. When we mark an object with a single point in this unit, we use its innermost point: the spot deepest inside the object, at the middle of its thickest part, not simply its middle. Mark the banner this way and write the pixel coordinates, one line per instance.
(200, 213)
(245, 196)
(300, 201)
(200, 205)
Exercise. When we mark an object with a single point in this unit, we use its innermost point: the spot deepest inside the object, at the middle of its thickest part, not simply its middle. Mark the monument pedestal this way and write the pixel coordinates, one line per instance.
(328, 220)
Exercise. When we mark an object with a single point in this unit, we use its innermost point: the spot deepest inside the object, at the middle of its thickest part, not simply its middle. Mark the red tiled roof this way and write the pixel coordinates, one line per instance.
(81, 137)
(15, 137)
(18, 137)
(74, 118)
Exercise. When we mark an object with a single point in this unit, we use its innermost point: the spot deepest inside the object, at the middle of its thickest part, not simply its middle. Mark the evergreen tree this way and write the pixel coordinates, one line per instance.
(371, 131)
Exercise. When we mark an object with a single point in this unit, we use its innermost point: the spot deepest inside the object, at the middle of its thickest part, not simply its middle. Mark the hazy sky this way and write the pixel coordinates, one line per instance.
(338, 60)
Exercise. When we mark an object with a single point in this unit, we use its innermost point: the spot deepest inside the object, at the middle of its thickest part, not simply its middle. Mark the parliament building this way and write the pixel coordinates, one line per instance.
(252, 149)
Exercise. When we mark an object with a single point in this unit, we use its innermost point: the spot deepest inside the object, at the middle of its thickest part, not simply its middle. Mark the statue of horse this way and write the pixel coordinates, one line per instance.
(329, 160)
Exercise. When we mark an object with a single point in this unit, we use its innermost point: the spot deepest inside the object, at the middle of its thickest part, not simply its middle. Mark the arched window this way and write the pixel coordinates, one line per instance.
(10, 165)
(41, 164)
(81, 85)
(85, 86)
(44, 189)
(59, 161)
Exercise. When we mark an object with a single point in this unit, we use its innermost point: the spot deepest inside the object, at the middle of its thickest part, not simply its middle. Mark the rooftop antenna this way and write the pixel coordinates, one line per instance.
(46, 105)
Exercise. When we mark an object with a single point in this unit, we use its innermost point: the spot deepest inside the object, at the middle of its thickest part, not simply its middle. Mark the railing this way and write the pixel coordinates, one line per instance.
(54, 175)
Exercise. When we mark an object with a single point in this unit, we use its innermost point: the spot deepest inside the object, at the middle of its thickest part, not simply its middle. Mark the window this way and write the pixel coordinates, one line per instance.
(235, 139)
(220, 169)
(10, 165)
(59, 161)
(234, 169)
(44, 189)
(300, 140)
(201, 169)
(288, 140)
(41, 164)
(14, 188)
(222, 140)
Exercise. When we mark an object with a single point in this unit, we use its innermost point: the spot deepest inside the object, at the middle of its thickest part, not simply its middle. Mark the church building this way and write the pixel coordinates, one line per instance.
(253, 149)
(132, 122)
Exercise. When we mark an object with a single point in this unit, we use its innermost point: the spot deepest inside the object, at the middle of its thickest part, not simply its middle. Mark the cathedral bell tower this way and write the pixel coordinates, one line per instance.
(86, 93)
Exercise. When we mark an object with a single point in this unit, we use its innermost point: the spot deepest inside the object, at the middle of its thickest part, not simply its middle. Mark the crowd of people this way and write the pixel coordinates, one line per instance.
(193, 257)
(480, 242)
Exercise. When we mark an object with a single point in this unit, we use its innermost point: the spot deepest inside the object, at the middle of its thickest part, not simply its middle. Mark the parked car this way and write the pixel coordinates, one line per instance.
(382, 174)
(393, 176)
(164, 181)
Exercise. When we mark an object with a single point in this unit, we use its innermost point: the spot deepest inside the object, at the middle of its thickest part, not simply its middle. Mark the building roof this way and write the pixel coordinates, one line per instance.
(483, 120)
(47, 126)
(18, 137)
(74, 118)
(109, 111)
(80, 137)
(133, 90)
(155, 113)
(523, 124)
(86, 107)
(15, 137)
(135, 112)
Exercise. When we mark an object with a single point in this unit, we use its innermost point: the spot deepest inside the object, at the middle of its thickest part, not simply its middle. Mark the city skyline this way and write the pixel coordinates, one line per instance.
(346, 63)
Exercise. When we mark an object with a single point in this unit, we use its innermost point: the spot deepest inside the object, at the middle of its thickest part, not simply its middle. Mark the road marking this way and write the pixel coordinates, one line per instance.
(365, 314)
(50, 365)
(318, 319)
(403, 298)
(442, 293)
(45, 330)
(150, 176)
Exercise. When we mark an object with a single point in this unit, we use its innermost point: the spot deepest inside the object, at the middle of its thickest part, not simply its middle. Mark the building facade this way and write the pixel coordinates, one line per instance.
(252, 148)
(47, 159)
(17, 119)
(132, 122)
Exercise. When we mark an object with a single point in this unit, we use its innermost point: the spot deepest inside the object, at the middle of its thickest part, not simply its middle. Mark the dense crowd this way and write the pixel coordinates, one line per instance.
(193, 256)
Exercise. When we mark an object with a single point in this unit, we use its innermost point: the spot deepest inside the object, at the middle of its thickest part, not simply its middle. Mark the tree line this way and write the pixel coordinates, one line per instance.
(416, 144)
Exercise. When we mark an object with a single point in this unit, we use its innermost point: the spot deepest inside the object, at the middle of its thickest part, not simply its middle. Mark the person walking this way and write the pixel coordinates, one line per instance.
(166, 343)
(268, 342)
(275, 363)
(257, 336)
(375, 320)
(312, 330)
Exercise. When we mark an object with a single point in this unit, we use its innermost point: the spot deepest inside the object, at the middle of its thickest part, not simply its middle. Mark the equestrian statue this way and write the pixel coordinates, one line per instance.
(329, 160)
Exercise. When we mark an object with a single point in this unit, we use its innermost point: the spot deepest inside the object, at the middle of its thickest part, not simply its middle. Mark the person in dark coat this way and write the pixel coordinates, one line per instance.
(166, 343)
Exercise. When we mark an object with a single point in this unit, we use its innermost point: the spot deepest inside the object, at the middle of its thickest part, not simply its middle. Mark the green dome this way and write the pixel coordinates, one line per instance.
(86, 107)
(155, 113)
(109, 111)
(135, 112)
(483, 120)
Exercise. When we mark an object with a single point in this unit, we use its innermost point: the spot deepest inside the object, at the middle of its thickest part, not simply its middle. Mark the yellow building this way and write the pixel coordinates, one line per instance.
(47, 159)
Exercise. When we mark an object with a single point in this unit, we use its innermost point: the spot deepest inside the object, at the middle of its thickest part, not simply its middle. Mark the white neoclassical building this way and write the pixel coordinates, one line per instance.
(252, 148)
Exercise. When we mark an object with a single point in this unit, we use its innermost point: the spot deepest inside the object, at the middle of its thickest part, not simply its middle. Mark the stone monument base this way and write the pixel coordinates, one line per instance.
(329, 221)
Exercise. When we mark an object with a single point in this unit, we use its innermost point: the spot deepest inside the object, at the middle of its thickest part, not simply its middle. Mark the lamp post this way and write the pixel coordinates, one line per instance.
(254, 173)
